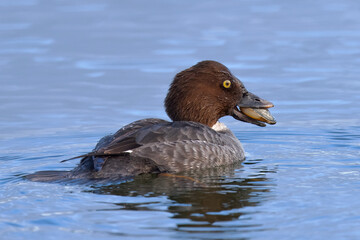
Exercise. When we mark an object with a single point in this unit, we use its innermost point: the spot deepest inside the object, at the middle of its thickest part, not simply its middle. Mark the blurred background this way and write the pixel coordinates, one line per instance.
(73, 71)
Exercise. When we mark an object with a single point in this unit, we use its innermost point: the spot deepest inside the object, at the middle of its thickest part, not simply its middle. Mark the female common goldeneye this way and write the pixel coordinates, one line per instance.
(197, 98)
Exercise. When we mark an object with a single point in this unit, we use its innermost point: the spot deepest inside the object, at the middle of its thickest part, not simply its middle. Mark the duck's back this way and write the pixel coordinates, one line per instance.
(155, 146)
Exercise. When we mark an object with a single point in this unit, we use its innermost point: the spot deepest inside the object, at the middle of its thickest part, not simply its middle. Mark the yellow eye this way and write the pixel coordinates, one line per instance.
(227, 83)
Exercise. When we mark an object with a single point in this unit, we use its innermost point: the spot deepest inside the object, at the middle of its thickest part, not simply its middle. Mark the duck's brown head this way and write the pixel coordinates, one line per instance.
(208, 91)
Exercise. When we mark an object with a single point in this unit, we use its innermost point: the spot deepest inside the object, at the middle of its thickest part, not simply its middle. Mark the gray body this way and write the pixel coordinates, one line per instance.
(157, 146)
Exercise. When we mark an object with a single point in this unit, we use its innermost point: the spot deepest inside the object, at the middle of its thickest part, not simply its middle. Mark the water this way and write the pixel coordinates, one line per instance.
(73, 71)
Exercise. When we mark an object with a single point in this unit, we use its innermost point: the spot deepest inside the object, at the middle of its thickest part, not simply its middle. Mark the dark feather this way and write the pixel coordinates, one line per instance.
(121, 141)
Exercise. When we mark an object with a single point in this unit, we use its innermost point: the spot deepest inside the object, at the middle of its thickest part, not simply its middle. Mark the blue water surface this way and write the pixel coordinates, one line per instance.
(74, 71)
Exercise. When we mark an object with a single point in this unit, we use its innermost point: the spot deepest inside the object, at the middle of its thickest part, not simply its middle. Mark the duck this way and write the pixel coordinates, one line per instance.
(194, 139)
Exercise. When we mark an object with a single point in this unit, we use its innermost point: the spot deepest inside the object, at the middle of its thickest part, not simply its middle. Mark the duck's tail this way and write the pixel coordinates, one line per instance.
(47, 176)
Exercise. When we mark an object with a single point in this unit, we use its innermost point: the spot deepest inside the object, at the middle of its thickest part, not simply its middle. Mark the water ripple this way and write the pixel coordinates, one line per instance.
(14, 26)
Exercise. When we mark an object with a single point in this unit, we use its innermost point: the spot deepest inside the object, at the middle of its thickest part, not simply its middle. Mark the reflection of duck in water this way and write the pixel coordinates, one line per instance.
(197, 98)
(217, 198)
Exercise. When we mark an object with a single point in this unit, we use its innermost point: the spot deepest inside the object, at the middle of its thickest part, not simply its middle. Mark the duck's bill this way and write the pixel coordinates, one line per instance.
(253, 109)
